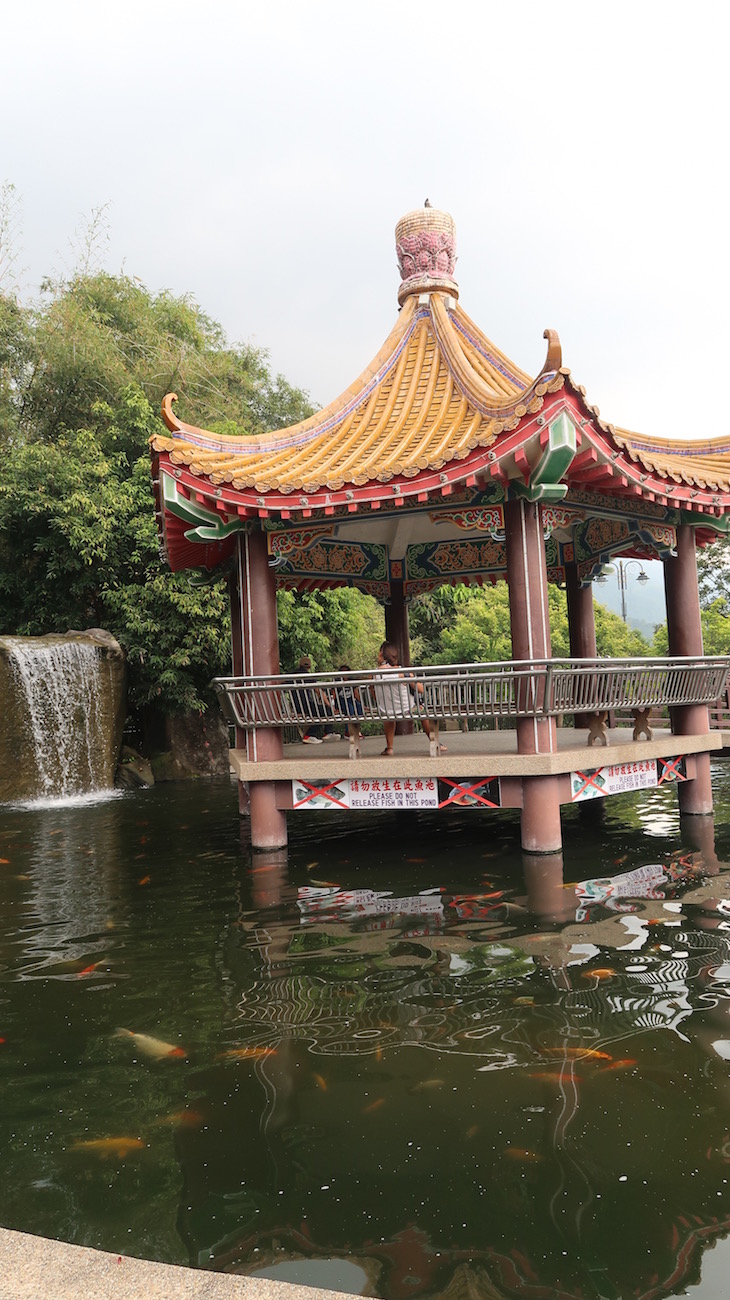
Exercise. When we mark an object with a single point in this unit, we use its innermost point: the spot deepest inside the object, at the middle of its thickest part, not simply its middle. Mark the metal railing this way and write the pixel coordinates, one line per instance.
(469, 692)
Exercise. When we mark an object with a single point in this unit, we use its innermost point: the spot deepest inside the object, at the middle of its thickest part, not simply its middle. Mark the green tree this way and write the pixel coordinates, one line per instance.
(472, 625)
(332, 627)
(713, 574)
(715, 630)
(82, 375)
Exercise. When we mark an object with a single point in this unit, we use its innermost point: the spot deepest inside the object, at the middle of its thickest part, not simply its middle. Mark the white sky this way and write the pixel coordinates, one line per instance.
(259, 156)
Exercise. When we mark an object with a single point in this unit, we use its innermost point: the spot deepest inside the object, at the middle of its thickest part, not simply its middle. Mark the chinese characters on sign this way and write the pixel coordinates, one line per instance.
(602, 781)
(373, 792)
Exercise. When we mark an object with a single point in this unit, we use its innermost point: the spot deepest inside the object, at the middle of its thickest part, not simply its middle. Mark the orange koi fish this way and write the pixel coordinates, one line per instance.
(601, 973)
(246, 1054)
(626, 1063)
(320, 1082)
(144, 881)
(120, 1147)
(522, 1153)
(576, 1053)
(180, 1119)
(5, 862)
(155, 1048)
(374, 1105)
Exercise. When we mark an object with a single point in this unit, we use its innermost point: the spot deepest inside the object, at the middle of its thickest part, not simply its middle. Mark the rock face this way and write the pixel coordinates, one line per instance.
(197, 746)
(63, 701)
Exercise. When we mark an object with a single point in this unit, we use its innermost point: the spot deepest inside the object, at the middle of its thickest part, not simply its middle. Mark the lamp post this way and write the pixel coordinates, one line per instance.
(621, 568)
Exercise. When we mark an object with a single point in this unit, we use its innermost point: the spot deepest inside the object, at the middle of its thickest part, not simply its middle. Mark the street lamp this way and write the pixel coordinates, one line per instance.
(621, 569)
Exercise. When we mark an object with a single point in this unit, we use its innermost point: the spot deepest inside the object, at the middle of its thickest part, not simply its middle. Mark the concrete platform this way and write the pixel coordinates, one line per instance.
(33, 1268)
(472, 753)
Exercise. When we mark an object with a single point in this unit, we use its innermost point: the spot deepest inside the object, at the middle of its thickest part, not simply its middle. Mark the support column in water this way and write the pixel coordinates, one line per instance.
(684, 631)
(530, 624)
(255, 632)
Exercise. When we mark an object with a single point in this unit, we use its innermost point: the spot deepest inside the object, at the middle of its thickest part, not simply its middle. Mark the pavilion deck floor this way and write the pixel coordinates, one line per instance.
(473, 753)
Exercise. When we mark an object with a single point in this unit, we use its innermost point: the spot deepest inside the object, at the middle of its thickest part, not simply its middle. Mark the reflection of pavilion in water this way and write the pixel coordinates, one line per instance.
(350, 981)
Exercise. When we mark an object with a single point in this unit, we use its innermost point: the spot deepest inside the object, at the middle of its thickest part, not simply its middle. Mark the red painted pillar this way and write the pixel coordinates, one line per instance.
(396, 630)
(581, 623)
(528, 599)
(240, 736)
(256, 642)
(396, 623)
(684, 628)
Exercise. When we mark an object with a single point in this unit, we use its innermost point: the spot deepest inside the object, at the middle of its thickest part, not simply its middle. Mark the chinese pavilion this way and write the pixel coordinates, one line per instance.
(443, 462)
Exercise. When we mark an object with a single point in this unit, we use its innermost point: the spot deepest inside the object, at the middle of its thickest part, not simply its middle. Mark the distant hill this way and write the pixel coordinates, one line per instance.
(645, 604)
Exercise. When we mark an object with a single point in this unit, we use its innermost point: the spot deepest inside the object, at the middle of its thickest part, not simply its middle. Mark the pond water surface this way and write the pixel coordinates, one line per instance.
(399, 1061)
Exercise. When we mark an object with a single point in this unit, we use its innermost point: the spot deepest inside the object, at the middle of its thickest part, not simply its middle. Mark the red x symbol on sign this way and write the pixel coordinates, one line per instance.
(463, 793)
(321, 790)
(671, 769)
(588, 779)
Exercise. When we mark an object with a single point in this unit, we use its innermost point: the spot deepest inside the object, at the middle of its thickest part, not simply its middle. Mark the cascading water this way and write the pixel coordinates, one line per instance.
(61, 714)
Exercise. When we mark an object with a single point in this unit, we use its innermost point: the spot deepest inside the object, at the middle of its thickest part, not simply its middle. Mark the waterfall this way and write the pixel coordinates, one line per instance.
(62, 689)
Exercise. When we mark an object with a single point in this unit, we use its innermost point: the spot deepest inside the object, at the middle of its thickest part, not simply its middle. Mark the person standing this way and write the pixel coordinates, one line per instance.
(393, 694)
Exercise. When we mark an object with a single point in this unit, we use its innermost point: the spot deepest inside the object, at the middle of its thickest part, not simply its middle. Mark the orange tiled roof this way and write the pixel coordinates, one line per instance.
(436, 389)
(701, 463)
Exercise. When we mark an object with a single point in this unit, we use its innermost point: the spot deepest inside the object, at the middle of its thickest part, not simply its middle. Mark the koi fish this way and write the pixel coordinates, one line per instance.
(523, 1002)
(427, 1085)
(374, 1105)
(320, 1082)
(155, 1048)
(522, 1153)
(5, 862)
(576, 1053)
(311, 866)
(180, 1119)
(472, 1132)
(144, 881)
(601, 973)
(246, 1054)
(626, 1063)
(89, 970)
(120, 1147)
(417, 861)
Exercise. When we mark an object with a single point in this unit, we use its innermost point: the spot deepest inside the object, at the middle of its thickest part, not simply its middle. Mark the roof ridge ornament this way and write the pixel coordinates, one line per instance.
(425, 242)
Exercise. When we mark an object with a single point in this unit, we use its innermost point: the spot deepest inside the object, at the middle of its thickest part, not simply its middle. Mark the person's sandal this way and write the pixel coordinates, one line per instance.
(387, 752)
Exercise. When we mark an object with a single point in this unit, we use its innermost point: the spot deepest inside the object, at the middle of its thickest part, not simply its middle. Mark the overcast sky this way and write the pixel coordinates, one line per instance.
(259, 156)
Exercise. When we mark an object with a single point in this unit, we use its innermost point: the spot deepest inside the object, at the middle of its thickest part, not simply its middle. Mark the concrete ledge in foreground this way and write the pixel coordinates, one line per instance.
(34, 1268)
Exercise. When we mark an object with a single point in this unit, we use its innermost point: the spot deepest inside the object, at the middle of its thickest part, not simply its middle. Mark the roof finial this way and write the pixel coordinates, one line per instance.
(425, 242)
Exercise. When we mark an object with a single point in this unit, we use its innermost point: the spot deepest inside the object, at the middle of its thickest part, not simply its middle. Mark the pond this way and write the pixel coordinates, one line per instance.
(399, 1061)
